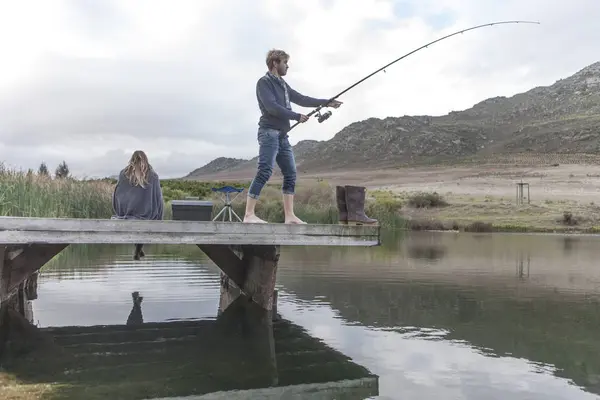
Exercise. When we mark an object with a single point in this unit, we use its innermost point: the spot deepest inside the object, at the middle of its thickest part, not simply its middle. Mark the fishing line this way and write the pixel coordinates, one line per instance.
(324, 116)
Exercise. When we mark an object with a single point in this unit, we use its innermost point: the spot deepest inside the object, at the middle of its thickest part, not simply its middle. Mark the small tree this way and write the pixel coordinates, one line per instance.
(62, 171)
(43, 169)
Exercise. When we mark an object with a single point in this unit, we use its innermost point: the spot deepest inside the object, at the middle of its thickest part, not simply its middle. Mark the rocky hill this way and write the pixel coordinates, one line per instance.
(218, 165)
(560, 118)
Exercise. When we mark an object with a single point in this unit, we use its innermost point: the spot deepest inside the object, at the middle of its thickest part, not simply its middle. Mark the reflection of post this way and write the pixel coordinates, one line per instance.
(16, 320)
(520, 266)
(247, 329)
(256, 306)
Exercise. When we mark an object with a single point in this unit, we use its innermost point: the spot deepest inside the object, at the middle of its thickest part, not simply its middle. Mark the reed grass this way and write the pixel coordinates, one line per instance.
(26, 194)
(31, 195)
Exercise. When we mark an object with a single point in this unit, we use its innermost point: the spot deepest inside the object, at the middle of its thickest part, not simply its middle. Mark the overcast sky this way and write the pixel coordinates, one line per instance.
(91, 81)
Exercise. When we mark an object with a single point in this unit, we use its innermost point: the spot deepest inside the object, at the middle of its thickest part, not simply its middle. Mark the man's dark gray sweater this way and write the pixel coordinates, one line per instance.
(136, 202)
(276, 114)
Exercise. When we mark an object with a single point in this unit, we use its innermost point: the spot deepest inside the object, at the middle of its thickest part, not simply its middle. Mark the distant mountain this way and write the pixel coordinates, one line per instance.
(561, 118)
(218, 165)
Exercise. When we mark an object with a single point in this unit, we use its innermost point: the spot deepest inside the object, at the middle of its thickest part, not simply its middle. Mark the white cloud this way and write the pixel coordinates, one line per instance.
(97, 80)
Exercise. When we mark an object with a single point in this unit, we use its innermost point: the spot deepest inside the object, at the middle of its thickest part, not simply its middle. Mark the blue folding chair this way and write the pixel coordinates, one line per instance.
(227, 191)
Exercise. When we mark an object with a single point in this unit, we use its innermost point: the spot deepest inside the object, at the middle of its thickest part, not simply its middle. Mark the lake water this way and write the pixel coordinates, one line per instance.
(433, 315)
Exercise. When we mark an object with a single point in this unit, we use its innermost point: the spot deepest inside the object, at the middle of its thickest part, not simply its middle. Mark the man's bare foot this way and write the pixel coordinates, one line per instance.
(294, 220)
(253, 219)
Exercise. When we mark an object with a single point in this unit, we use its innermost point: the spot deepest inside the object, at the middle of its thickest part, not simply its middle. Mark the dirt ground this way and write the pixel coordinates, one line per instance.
(565, 182)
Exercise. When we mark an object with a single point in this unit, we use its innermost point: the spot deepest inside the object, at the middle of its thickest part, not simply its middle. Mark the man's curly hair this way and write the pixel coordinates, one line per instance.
(276, 55)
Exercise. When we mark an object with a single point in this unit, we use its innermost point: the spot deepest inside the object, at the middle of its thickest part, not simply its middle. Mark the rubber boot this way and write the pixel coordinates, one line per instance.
(355, 203)
(340, 193)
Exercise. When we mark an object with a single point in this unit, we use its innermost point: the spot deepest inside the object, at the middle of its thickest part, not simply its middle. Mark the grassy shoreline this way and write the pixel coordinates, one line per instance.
(498, 214)
(28, 194)
(488, 227)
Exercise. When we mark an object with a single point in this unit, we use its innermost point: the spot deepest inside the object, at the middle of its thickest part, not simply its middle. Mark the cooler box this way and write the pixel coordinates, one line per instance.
(192, 210)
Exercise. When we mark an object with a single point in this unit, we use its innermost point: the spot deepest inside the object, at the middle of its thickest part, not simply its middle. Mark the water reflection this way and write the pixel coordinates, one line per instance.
(135, 316)
(523, 265)
(241, 349)
(427, 252)
(444, 316)
(540, 318)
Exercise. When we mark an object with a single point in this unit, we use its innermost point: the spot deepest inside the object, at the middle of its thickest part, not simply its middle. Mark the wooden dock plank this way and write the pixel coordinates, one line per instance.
(23, 230)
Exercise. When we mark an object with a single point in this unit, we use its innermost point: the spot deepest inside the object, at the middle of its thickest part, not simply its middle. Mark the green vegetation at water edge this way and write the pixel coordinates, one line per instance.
(28, 194)
(38, 195)
(32, 194)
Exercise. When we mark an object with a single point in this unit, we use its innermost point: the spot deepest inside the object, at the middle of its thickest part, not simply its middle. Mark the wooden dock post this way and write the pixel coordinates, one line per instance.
(248, 254)
(249, 270)
(19, 263)
(259, 265)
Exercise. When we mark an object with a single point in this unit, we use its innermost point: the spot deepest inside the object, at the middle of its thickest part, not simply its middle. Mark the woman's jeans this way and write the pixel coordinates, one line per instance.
(274, 148)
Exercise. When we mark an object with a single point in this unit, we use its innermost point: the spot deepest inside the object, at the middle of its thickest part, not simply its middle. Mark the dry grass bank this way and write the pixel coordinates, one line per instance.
(497, 213)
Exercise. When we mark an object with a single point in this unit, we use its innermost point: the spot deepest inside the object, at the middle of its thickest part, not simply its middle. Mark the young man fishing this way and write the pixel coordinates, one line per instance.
(274, 96)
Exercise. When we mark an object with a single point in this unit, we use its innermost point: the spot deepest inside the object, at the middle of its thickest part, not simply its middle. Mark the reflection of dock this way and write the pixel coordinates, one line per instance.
(243, 350)
(246, 253)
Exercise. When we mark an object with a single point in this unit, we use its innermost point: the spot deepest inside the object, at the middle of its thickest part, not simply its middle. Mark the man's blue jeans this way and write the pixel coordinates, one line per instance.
(274, 148)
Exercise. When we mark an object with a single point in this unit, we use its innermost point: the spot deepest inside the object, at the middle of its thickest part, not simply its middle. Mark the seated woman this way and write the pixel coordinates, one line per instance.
(138, 194)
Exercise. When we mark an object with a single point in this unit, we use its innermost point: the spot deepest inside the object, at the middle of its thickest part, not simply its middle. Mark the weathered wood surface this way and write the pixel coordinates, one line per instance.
(261, 271)
(21, 230)
(248, 271)
(18, 264)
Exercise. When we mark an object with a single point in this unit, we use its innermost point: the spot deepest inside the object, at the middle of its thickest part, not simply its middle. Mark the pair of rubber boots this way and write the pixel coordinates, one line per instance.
(351, 205)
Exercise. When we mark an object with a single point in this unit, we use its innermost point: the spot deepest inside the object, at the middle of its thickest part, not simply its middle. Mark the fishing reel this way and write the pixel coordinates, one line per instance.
(323, 117)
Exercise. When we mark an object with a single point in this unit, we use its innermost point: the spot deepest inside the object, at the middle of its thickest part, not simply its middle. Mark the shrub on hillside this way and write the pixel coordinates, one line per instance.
(426, 200)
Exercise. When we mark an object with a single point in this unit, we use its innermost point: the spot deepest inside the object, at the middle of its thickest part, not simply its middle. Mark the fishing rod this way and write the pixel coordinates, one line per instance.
(324, 116)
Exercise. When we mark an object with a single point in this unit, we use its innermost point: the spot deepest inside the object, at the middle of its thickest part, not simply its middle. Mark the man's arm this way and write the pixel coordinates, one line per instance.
(268, 99)
(305, 101)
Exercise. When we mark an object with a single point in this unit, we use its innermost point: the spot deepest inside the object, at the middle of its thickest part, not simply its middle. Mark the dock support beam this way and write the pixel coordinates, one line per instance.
(248, 270)
(19, 264)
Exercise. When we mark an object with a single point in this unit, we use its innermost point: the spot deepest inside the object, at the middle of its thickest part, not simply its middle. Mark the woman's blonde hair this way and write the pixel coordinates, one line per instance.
(138, 169)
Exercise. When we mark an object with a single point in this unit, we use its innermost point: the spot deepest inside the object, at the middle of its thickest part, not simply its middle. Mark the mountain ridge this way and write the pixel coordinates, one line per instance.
(563, 117)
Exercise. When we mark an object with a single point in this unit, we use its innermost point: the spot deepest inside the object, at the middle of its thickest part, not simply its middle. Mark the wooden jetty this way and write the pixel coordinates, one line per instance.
(247, 254)
(241, 354)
